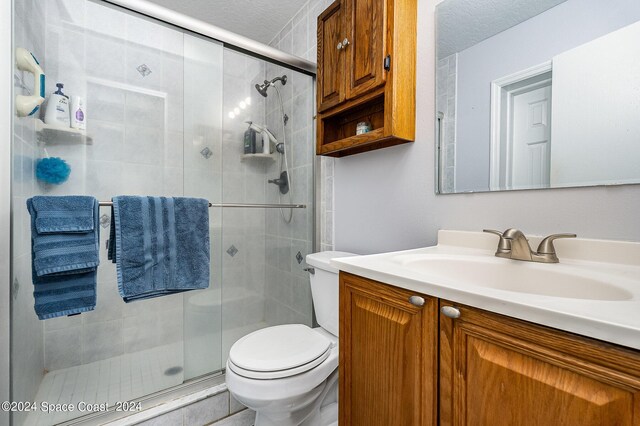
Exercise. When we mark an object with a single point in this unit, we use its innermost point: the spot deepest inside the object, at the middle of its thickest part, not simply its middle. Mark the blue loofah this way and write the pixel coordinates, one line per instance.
(52, 170)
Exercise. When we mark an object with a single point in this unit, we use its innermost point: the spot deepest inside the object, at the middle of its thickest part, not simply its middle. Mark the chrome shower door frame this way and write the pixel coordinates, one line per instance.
(6, 114)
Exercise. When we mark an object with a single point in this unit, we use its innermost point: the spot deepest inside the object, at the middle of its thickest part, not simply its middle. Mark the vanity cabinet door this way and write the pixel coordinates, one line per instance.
(388, 354)
(496, 370)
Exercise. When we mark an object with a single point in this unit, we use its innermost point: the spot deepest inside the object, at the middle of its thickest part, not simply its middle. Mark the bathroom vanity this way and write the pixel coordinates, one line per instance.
(427, 336)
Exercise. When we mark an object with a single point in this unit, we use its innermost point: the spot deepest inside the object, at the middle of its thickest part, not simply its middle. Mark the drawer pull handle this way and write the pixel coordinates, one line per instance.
(450, 312)
(416, 301)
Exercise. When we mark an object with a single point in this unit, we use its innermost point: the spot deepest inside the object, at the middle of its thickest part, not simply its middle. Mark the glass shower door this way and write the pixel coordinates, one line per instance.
(203, 89)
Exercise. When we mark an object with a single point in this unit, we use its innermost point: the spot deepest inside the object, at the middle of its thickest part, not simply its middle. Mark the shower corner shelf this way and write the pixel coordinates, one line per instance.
(49, 134)
(270, 157)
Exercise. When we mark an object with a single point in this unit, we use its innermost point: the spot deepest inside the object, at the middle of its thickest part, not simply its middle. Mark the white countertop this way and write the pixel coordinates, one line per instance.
(617, 263)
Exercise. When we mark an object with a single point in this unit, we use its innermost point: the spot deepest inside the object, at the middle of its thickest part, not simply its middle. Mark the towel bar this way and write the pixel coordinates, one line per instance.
(238, 205)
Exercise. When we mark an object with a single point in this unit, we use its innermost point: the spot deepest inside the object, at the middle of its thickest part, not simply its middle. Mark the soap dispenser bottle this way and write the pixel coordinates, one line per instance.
(249, 140)
(57, 111)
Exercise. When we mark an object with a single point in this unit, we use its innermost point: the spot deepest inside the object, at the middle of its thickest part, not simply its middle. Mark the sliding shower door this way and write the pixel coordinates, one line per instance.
(154, 99)
(263, 249)
(167, 113)
(202, 148)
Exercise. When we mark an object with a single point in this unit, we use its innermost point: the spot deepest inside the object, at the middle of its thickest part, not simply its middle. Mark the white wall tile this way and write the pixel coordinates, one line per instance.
(63, 348)
(101, 340)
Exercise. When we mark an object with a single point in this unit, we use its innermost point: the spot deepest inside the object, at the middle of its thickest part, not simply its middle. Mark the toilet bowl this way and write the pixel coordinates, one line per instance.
(288, 374)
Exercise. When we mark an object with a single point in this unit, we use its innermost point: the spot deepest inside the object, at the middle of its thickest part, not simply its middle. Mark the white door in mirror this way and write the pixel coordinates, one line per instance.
(531, 136)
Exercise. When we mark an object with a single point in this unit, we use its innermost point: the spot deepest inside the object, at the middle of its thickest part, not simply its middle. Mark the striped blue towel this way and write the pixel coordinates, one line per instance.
(65, 241)
(160, 245)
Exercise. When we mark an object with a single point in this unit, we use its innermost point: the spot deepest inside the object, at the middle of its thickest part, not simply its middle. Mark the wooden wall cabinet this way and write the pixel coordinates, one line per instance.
(487, 369)
(366, 72)
(388, 356)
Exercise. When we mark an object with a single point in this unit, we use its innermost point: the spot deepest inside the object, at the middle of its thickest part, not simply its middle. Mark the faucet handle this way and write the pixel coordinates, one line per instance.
(504, 245)
(493, 231)
(546, 245)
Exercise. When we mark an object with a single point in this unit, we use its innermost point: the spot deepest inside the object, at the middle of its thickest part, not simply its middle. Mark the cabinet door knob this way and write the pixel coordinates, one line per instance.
(450, 312)
(339, 45)
(416, 300)
(345, 42)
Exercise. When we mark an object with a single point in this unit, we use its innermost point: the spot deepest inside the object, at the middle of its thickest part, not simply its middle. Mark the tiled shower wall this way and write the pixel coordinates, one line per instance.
(288, 288)
(446, 104)
(243, 181)
(27, 348)
(299, 38)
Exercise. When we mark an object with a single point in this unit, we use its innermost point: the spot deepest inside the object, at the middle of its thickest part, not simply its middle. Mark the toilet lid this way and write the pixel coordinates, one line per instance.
(278, 348)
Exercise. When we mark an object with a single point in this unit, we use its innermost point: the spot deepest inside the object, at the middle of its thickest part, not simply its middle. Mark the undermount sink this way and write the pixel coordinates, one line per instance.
(522, 277)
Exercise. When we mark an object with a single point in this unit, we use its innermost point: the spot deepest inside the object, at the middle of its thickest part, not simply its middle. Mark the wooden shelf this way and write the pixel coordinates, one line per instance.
(337, 127)
(50, 134)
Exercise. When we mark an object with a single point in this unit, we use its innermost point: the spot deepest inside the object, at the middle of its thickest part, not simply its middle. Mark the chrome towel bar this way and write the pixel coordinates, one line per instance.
(238, 205)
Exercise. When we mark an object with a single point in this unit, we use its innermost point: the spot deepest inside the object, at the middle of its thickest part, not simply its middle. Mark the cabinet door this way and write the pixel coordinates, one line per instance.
(388, 370)
(366, 26)
(330, 75)
(496, 371)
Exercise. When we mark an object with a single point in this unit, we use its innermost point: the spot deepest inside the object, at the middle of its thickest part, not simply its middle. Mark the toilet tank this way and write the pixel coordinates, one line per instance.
(324, 288)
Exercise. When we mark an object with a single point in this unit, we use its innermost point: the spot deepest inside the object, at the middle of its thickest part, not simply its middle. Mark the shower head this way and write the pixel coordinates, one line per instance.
(262, 88)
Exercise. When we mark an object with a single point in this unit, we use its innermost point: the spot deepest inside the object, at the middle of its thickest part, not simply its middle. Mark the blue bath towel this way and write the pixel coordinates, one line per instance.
(159, 245)
(65, 240)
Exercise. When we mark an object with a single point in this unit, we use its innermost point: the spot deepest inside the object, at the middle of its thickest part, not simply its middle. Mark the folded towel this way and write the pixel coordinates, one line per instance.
(64, 214)
(159, 245)
(65, 242)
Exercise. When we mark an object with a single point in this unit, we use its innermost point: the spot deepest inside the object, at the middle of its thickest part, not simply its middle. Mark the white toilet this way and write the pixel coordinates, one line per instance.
(288, 374)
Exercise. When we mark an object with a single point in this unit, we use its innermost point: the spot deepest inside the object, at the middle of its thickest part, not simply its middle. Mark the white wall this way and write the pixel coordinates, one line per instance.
(385, 199)
(596, 88)
(533, 42)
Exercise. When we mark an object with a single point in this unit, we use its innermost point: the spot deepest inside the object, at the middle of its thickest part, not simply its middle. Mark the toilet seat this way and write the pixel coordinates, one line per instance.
(279, 352)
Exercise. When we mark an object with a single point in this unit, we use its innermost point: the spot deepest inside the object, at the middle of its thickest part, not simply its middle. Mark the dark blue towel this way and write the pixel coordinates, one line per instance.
(160, 245)
(65, 241)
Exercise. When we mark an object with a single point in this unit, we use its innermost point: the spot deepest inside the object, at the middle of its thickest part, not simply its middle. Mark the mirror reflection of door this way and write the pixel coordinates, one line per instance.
(521, 129)
(531, 137)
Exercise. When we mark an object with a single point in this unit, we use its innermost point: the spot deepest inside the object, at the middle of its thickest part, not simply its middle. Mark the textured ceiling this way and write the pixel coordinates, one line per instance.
(257, 19)
(463, 23)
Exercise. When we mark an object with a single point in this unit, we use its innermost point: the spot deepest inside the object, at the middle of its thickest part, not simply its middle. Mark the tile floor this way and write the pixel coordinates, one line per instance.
(120, 378)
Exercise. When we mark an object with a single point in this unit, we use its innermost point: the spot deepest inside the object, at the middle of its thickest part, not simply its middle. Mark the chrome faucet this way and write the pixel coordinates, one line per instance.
(514, 245)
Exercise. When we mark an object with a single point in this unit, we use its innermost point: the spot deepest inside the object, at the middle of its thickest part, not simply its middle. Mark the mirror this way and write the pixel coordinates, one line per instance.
(537, 94)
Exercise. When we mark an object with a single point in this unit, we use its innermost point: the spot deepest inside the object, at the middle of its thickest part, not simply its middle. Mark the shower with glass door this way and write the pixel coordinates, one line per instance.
(167, 111)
